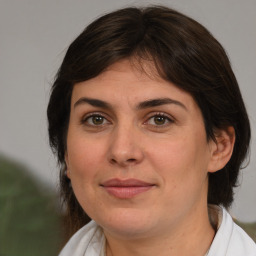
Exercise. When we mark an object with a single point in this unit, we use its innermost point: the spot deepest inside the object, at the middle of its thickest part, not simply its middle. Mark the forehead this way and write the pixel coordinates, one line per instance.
(133, 81)
(132, 70)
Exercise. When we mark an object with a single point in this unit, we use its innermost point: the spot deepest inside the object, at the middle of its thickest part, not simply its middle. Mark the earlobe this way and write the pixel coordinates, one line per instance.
(223, 149)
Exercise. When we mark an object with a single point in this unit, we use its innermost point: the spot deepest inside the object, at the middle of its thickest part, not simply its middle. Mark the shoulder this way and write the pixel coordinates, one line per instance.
(89, 240)
(230, 239)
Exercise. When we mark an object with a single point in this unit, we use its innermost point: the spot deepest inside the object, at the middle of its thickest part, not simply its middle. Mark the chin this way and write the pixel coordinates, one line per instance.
(127, 223)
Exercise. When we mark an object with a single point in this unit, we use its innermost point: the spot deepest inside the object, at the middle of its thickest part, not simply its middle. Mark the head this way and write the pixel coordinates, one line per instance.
(183, 53)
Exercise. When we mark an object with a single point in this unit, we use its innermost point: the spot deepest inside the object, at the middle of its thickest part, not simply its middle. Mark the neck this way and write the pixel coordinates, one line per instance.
(191, 237)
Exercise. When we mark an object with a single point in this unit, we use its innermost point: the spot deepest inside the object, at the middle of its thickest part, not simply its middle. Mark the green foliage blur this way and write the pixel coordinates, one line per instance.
(29, 219)
(249, 228)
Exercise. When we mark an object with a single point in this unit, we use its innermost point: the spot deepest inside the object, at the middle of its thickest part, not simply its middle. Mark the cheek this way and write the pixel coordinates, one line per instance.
(181, 161)
(82, 153)
(83, 166)
(182, 169)
(172, 155)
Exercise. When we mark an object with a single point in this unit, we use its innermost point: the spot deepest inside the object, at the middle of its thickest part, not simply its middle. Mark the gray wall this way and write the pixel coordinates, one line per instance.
(34, 37)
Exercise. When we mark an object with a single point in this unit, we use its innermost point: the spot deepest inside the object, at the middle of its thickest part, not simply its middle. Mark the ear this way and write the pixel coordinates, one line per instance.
(221, 149)
(67, 164)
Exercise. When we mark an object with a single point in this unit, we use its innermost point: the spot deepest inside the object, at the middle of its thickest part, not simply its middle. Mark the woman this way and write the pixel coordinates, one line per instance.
(150, 130)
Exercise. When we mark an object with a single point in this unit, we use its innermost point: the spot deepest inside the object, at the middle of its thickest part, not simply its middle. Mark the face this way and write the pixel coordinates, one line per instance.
(137, 152)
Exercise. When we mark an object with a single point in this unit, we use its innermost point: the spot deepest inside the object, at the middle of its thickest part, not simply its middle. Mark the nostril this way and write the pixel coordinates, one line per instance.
(131, 160)
(113, 161)
(126, 161)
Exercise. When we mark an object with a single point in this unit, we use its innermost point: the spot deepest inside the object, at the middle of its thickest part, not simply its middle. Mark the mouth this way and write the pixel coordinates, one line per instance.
(125, 189)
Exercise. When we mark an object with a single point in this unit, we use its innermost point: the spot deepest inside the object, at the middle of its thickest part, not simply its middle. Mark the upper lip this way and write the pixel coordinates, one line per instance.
(126, 183)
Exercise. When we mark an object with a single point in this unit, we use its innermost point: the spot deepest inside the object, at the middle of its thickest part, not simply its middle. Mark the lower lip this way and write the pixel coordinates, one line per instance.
(126, 192)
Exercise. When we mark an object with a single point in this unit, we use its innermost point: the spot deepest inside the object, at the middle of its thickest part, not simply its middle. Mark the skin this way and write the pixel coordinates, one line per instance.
(163, 145)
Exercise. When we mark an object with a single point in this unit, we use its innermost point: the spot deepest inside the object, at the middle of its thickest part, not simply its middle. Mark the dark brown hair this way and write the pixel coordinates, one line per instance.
(184, 53)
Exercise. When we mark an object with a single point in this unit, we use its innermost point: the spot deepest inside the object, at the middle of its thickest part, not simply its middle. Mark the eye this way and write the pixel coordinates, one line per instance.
(95, 120)
(159, 120)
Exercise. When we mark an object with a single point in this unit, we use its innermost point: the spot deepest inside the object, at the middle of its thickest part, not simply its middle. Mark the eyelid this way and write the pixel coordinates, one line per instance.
(170, 119)
(162, 114)
(92, 114)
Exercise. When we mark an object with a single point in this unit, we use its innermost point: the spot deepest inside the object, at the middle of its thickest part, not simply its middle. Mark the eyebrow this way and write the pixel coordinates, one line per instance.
(93, 102)
(159, 102)
(142, 105)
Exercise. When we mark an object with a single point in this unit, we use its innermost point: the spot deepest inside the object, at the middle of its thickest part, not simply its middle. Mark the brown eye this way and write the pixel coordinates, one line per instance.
(160, 120)
(96, 120)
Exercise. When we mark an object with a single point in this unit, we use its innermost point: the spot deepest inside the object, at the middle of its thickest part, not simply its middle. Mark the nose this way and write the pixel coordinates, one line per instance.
(125, 147)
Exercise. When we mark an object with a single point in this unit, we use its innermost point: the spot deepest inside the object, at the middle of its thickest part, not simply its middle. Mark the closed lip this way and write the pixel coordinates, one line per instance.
(126, 189)
(126, 183)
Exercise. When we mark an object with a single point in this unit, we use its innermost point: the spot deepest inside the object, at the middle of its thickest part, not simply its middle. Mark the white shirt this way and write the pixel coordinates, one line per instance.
(230, 240)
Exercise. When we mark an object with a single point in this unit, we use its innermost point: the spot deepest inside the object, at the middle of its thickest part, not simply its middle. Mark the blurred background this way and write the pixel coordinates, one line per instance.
(34, 36)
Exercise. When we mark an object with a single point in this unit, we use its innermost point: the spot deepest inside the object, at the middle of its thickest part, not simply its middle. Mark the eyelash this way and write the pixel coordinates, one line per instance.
(167, 120)
(85, 119)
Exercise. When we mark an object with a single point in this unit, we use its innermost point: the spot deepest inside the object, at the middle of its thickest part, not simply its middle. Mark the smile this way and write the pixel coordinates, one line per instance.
(125, 189)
